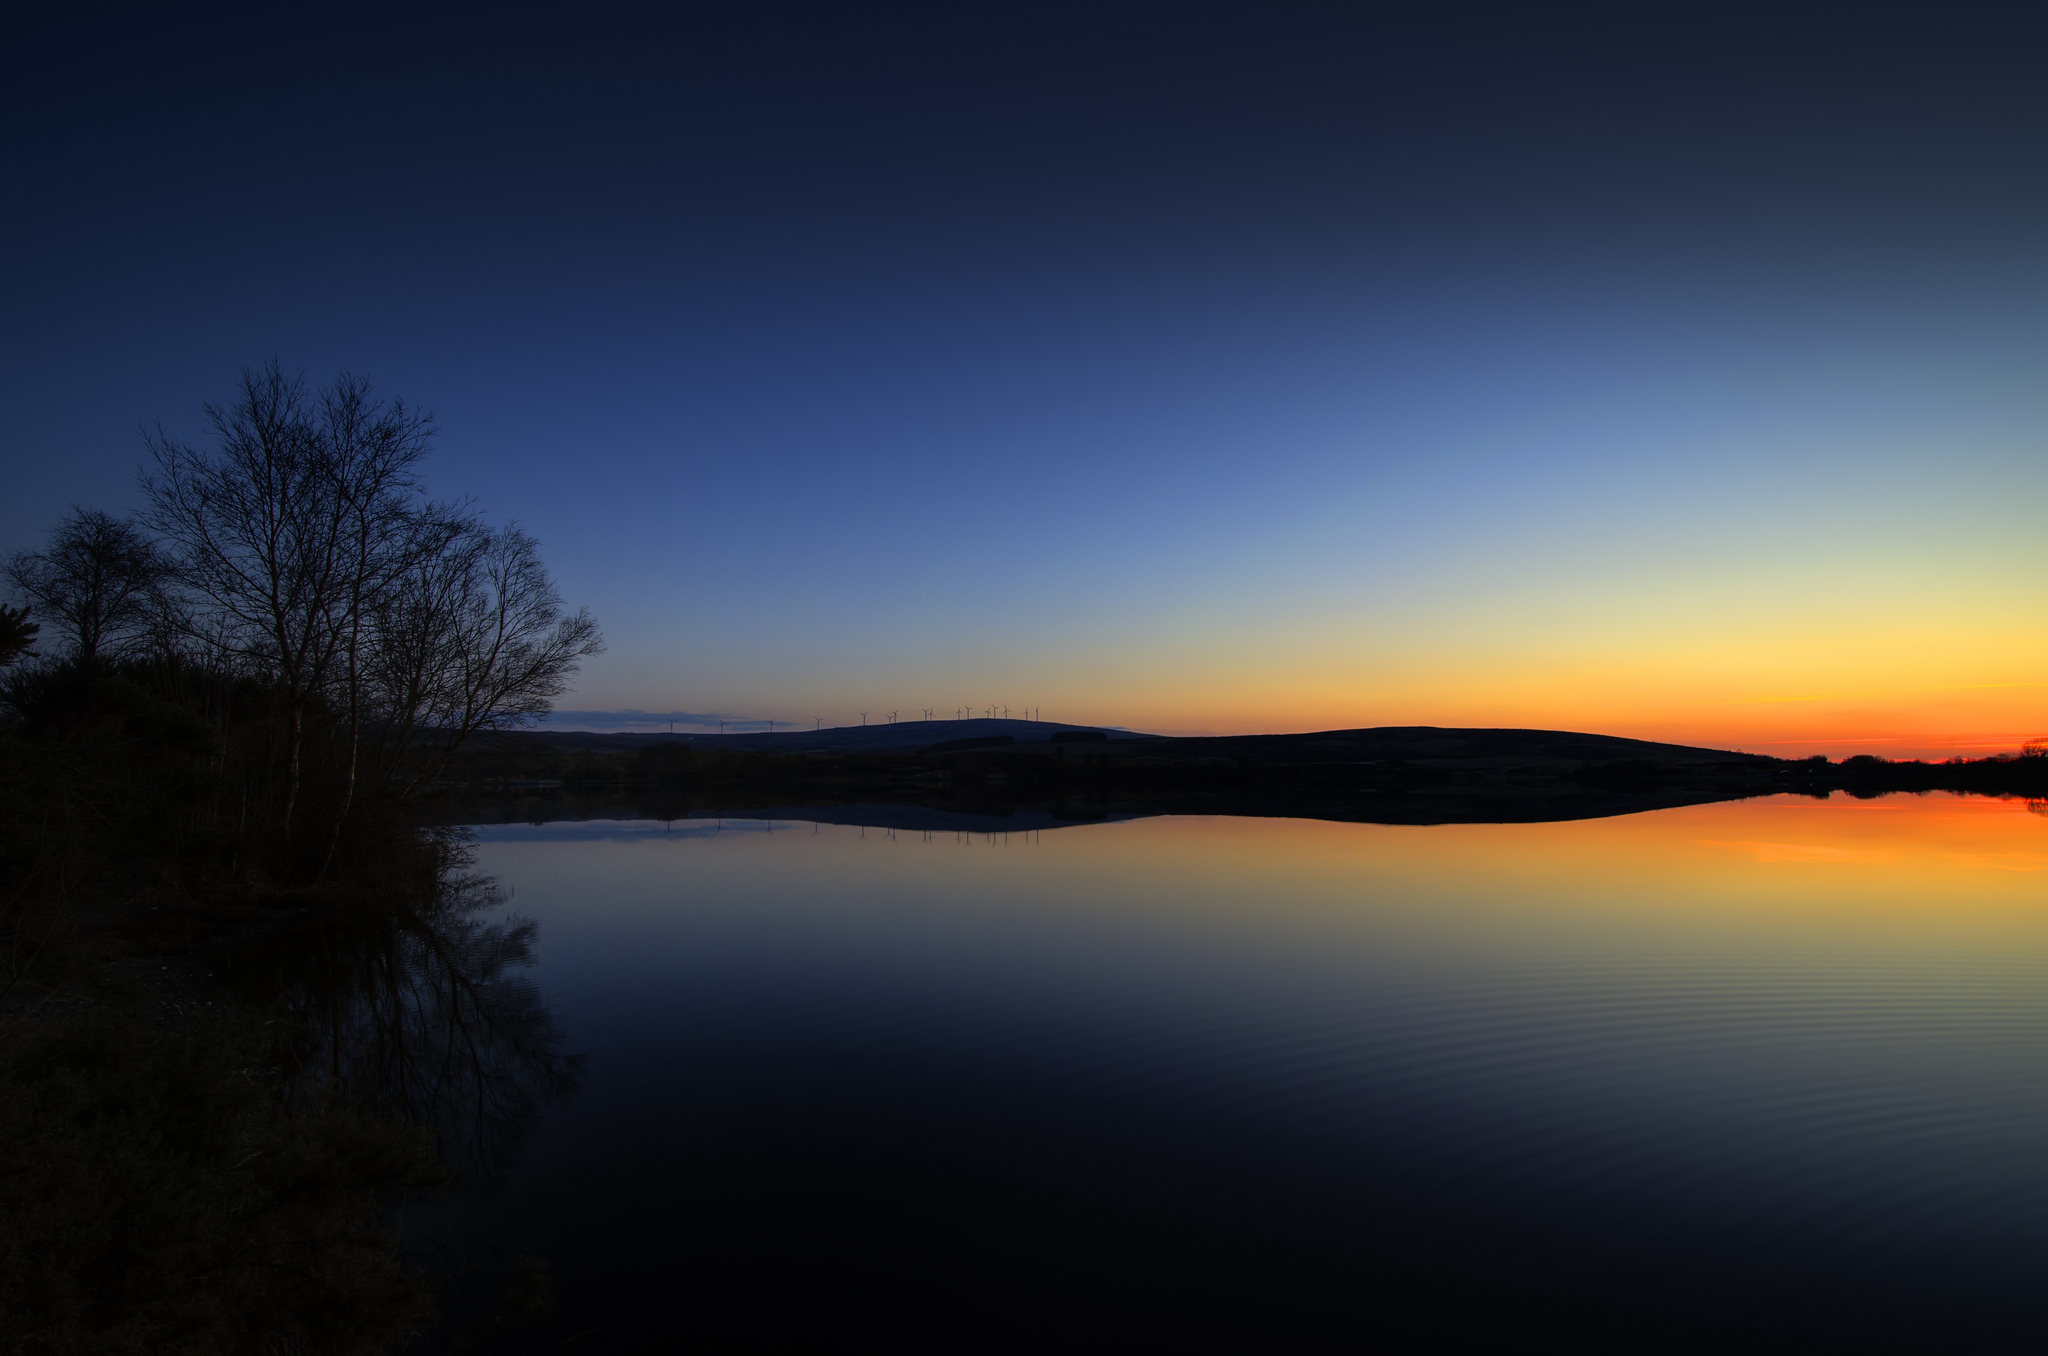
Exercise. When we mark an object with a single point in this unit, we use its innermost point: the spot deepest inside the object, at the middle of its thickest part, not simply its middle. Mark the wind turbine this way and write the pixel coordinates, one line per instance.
(863, 718)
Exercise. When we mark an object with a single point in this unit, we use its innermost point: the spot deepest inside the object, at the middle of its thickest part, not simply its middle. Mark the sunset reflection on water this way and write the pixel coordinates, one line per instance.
(1778, 1061)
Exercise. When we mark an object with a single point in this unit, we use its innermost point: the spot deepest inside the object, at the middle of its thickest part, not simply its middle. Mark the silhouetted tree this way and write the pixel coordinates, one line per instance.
(472, 637)
(97, 582)
(288, 528)
(321, 618)
(17, 634)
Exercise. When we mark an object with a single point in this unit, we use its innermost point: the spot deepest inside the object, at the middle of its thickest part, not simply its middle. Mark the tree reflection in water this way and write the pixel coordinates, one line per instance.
(416, 1010)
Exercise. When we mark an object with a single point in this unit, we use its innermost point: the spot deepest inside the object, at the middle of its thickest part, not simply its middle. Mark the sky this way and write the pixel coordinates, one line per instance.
(1198, 370)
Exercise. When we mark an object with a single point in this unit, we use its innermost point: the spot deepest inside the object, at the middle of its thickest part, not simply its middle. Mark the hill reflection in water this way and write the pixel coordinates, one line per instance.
(1761, 1069)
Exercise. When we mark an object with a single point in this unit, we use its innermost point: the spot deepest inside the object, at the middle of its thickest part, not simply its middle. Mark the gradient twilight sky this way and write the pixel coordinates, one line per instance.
(1204, 369)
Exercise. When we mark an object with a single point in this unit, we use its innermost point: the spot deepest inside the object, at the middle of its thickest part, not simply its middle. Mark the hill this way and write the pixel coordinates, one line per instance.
(902, 736)
(1387, 774)
(1429, 744)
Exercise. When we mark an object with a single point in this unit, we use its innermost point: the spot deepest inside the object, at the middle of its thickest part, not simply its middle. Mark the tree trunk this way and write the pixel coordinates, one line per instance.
(355, 740)
(291, 765)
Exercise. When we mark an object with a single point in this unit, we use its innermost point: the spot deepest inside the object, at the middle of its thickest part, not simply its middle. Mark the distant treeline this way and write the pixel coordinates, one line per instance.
(2001, 774)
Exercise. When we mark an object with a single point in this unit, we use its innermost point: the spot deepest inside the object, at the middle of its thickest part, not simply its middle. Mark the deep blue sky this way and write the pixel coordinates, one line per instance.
(1190, 368)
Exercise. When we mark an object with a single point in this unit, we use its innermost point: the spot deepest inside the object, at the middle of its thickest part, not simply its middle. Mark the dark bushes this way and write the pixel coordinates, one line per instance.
(153, 1202)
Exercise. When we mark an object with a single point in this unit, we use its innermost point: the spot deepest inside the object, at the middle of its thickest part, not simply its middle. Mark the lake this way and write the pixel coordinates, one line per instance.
(1771, 1070)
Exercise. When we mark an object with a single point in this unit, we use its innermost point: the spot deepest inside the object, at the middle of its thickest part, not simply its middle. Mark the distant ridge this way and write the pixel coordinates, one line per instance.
(1401, 742)
(1447, 744)
(1074, 773)
(902, 736)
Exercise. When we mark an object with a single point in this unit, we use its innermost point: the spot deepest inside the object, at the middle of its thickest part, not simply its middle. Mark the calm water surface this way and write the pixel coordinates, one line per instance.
(1770, 1070)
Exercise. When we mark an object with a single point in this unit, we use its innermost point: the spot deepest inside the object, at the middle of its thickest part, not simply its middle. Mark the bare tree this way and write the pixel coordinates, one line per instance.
(96, 581)
(369, 450)
(284, 529)
(472, 637)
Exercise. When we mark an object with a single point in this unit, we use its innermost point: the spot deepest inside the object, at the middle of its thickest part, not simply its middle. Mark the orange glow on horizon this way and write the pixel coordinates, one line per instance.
(1961, 721)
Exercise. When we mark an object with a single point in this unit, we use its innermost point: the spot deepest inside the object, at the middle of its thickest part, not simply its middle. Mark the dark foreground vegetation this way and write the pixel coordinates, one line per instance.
(248, 1006)
(1410, 775)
